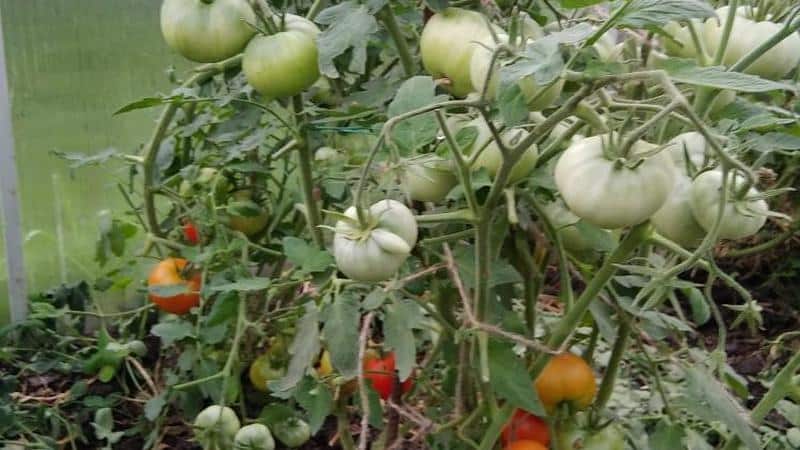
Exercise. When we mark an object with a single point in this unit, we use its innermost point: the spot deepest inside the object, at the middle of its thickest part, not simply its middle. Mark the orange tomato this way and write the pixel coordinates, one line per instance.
(524, 426)
(525, 445)
(169, 273)
(566, 378)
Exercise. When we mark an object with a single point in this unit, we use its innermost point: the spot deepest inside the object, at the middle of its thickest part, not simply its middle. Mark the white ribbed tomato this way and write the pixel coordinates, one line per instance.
(742, 217)
(675, 219)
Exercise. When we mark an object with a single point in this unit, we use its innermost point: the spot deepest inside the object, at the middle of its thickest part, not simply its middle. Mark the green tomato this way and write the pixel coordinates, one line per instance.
(746, 35)
(327, 154)
(491, 158)
(292, 432)
(293, 22)
(448, 42)
(281, 65)
(675, 219)
(216, 427)
(531, 90)
(608, 438)
(204, 31)
(741, 217)
(255, 219)
(374, 253)
(612, 193)
(692, 145)
(681, 43)
(254, 437)
(263, 370)
(566, 224)
(428, 178)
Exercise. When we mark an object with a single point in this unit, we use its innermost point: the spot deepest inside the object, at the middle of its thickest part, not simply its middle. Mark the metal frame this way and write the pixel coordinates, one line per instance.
(9, 198)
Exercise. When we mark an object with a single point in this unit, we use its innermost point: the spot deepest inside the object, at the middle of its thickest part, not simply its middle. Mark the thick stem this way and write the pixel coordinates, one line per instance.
(572, 318)
(315, 9)
(610, 377)
(390, 21)
(307, 177)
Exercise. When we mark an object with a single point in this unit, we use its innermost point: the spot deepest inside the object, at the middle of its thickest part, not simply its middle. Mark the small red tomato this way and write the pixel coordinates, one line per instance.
(190, 233)
(525, 445)
(380, 372)
(524, 426)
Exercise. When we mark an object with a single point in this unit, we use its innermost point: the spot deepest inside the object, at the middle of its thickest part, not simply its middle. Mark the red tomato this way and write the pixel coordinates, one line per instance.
(190, 233)
(524, 426)
(167, 273)
(380, 372)
(525, 445)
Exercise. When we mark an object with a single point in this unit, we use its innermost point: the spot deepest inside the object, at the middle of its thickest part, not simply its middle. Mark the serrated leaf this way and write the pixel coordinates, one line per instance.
(304, 348)
(350, 26)
(686, 71)
(414, 93)
(171, 332)
(223, 309)
(707, 398)
(572, 35)
(510, 380)
(341, 334)
(513, 106)
(542, 60)
(317, 400)
(401, 317)
(657, 13)
(305, 255)
(245, 285)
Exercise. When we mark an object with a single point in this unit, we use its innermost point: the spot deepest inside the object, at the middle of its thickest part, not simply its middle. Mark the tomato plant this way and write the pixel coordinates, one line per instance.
(169, 274)
(524, 426)
(380, 373)
(566, 378)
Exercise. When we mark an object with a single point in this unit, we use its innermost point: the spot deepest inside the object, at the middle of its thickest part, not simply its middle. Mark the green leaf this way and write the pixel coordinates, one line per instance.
(573, 4)
(276, 413)
(657, 13)
(513, 106)
(245, 208)
(705, 397)
(414, 93)
(667, 436)
(790, 411)
(147, 102)
(437, 5)
(542, 60)
(686, 71)
(774, 141)
(304, 348)
(350, 26)
(599, 239)
(306, 255)
(701, 312)
(341, 333)
(317, 400)
(502, 272)
(171, 332)
(245, 285)
(696, 441)
(374, 299)
(402, 316)
(223, 309)
(104, 425)
(154, 406)
(510, 379)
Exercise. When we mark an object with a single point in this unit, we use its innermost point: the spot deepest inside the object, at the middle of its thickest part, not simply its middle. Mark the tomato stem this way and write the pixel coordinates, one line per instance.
(390, 21)
(618, 351)
(306, 175)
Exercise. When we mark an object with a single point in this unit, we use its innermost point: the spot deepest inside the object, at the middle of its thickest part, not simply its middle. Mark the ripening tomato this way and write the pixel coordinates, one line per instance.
(525, 445)
(325, 371)
(169, 272)
(566, 378)
(281, 65)
(207, 31)
(742, 217)
(380, 372)
(524, 426)
(190, 233)
(265, 369)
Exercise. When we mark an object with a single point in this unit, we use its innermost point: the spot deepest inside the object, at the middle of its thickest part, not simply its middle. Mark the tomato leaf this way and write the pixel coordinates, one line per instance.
(686, 71)
(154, 406)
(657, 13)
(350, 26)
(705, 397)
(510, 379)
(512, 104)
(438, 5)
(305, 255)
(401, 317)
(573, 4)
(171, 332)
(341, 333)
(224, 308)
(316, 399)
(304, 348)
(666, 436)
(414, 93)
(244, 285)
(701, 312)
(542, 60)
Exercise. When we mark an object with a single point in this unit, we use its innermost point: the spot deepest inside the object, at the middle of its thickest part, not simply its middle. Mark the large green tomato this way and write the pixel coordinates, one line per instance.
(294, 22)
(374, 253)
(491, 158)
(427, 178)
(292, 432)
(692, 145)
(254, 437)
(681, 43)
(281, 65)
(566, 224)
(537, 96)
(675, 219)
(745, 36)
(216, 427)
(448, 42)
(741, 217)
(255, 219)
(612, 193)
(207, 31)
